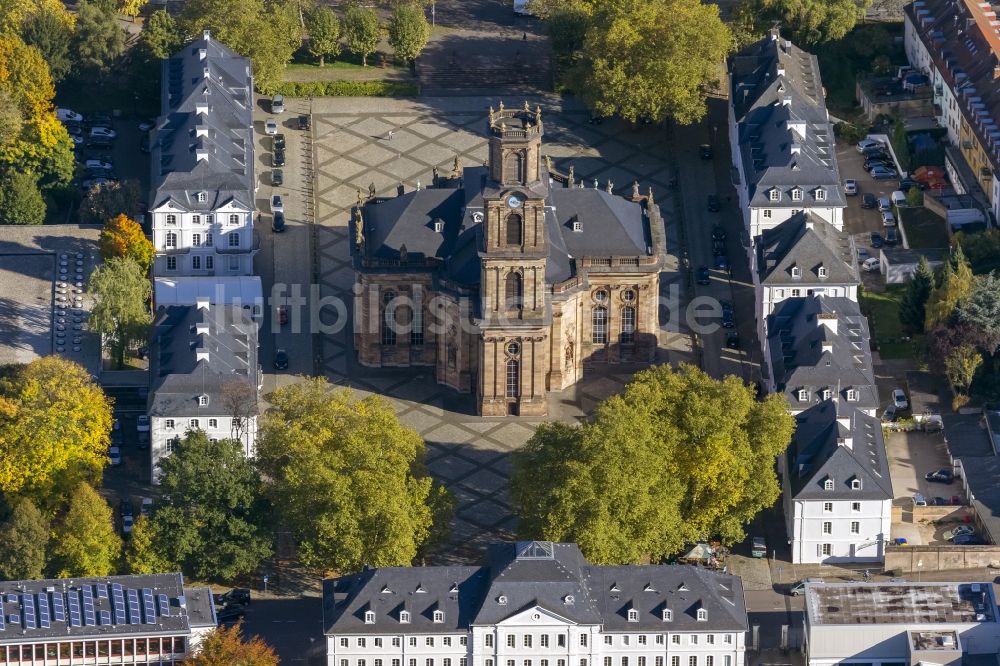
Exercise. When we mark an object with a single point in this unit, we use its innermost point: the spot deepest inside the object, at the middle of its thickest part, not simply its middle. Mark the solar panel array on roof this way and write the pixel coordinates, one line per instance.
(134, 616)
(58, 607)
(102, 590)
(43, 610)
(74, 608)
(28, 609)
(88, 607)
(105, 618)
(2, 623)
(118, 597)
(14, 618)
(164, 605)
(148, 606)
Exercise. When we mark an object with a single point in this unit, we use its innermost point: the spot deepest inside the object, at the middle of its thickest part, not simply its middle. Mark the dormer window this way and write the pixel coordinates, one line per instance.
(202, 197)
(826, 394)
(702, 615)
(796, 194)
(404, 617)
(775, 194)
(502, 600)
(796, 272)
(577, 225)
(820, 194)
(369, 617)
(668, 615)
(803, 395)
(821, 271)
(633, 615)
(203, 400)
(828, 484)
(852, 395)
(438, 616)
(855, 484)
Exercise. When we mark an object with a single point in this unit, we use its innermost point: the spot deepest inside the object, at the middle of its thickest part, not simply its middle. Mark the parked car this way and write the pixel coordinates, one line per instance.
(277, 104)
(884, 204)
(281, 360)
(899, 399)
(127, 523)
(733, 340)
(235, 596)
(850, 187)
(705, 150)
(868, 142)
(919, 500)
(230, 614)
(939, 501)
(889, 415)
(142, 423)
(940, 476)
(876, 240)
(868, 200)
(278, 223)
(277, 205)
(146, 506)
(799, 588)
(703, 275)
(873, 163)
(882, 173)
(758, 547)
(888, 219)
(103, 133)
(969, 540)
(891, 236)
(116, 455)
(908, 183)
(68, 114)
(898, 198)
(305, 122)
(960, 530)
(713, 203)
(877, 151)
(278, 158)
(277, 177)
(721, 262)
(278, 142)
(871, 264)
(97, 164)
(271, 126)
(728, 320)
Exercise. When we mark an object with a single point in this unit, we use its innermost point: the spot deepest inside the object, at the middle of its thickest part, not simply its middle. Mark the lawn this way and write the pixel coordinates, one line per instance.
(882, 310)
(924, 229)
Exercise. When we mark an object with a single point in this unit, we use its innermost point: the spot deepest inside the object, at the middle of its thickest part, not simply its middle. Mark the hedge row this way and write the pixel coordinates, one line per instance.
(349, 89)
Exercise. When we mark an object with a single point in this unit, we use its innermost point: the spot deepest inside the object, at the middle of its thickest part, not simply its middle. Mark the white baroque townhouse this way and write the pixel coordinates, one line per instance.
(535, 604)
(204, 375)
(782, 142)
(202, 165)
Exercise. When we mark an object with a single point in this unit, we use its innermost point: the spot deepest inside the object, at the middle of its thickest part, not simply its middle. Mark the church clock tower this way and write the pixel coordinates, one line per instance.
(515, 310)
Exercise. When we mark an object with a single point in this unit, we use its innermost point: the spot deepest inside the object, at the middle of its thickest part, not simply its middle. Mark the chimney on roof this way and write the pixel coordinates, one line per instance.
(796, 148)
(202, 302)
(781, 70)
(205, 74)
(828, 319)
(201, 354)
(786, 100)
(809, 222)
(201, 155)
(774, 34)
(201, 109)
(206, 35)
(788, 46)
(202, 54)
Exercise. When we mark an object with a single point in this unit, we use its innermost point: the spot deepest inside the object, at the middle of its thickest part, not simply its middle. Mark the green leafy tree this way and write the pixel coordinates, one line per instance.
(160, 35)
(362, 31)
(324, 34)
(85, 542)
(651, 59)
(22, 549)
(121, 315)
(960, 367)
(806, 21)
(99, 41)
(981, 309)
(348, 478)
(567, 27)
(224, 646)
(209, 520)
(21, 201)
(49, 32)
(408, 31)
(679, 457)
(131, 8)
(54, 430)
(11, 121)
(954, 287)
(913, 307)
(106, 202)
(914, 197)
(142, 554)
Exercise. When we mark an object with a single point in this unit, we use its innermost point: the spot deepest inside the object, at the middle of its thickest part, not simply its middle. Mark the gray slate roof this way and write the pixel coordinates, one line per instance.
(198, 609)
(224, 133)
(807, 353)
(178, 377)
(611, 226)
(808, 242)
(524, 575)
(835, 440)
(785, 137)
(982, 475)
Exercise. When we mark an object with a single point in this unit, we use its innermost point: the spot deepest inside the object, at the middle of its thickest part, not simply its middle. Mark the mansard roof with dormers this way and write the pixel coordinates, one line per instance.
(202, 155)
(786, 142)
(537, 577)
(806, 250)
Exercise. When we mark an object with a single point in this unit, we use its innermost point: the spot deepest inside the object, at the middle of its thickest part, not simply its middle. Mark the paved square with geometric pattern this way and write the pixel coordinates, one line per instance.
(470, 454)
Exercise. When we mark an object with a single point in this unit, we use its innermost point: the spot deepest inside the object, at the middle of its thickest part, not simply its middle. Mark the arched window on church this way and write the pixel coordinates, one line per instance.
(515, 229)
(513, 378)
(599, 325)
(513, 168)
(628, 325)
(514, 290)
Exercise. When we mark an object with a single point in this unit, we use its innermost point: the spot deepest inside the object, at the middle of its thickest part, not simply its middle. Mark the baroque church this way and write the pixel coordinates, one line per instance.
(508, 279)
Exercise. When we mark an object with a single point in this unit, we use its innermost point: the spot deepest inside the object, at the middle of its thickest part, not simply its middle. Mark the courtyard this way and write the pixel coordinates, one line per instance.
(354, 150)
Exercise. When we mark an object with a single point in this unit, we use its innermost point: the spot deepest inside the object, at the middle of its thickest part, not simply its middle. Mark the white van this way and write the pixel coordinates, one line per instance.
(898, 199)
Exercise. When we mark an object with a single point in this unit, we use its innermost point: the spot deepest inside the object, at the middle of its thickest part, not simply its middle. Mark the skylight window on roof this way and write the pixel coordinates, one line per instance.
(534, 550)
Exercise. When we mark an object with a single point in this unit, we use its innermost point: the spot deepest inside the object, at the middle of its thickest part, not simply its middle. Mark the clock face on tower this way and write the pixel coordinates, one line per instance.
(513, 201)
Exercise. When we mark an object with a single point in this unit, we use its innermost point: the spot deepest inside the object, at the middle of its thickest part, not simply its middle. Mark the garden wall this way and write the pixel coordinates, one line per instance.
(941, 558)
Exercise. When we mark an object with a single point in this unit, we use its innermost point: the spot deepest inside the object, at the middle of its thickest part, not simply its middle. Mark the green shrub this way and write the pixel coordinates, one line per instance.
(349, 89)
(914, 197)
(849, 132)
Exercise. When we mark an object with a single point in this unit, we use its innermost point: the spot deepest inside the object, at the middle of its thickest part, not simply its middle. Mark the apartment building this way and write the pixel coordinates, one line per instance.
(535, 603)
(151, 619)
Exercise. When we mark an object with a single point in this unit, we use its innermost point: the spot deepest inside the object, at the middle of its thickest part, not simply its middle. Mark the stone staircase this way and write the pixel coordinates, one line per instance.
(464, 80)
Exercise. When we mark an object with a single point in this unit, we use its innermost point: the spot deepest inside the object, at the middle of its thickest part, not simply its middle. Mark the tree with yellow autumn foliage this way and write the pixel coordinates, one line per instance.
(123, 237)
(224, 646)
(54, 430)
